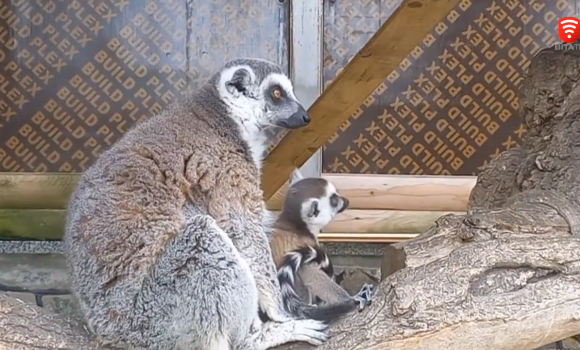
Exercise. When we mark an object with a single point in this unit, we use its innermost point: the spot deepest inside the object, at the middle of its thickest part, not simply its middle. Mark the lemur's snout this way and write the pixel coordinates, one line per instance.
(345, 203)
(298, 119)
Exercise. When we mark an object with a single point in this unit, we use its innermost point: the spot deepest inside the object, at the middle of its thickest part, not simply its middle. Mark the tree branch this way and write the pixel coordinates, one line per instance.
(24, 326)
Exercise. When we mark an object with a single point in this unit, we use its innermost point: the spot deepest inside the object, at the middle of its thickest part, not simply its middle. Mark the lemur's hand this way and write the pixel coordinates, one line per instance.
(364, 296)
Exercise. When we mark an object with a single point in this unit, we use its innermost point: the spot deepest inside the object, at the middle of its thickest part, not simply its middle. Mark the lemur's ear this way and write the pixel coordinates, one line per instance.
(240, 82)
(313, 211)
(296, 176)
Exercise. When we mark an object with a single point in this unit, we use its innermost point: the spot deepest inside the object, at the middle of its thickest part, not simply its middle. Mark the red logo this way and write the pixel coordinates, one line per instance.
(569, 29)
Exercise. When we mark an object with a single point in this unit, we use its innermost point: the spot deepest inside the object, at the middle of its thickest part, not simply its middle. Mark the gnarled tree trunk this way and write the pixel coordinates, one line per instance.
(24, 326)
(503, 277)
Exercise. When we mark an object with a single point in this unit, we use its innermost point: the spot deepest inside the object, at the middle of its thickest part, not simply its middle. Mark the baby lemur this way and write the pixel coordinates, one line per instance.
(303, 265)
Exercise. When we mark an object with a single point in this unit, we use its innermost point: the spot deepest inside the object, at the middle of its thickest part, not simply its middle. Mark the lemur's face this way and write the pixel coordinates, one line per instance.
(260, 95)
(281, 107)
(315, 199)
(320, 210)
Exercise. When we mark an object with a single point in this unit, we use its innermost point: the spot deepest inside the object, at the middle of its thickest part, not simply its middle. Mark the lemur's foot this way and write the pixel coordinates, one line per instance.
(364, 296)
(273, 312)
(310, 331)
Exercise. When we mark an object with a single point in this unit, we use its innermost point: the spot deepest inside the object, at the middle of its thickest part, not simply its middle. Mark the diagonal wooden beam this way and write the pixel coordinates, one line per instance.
(396, 38)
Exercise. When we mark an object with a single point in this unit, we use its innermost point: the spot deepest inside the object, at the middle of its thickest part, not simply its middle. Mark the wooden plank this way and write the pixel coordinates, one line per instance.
(384, 221)
(36, 191)
(408, 192)
(32, 224)
(396, 192)
(396, 38)
(353, 225)
(359, 222)
(365, 238)
(277, 200)
(381, 192)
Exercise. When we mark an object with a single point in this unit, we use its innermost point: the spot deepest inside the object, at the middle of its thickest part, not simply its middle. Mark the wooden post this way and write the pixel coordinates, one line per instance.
(306, 62)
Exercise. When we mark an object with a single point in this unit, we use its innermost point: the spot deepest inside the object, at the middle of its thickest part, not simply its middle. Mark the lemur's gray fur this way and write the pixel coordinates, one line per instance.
(303, 265)
(164, 234)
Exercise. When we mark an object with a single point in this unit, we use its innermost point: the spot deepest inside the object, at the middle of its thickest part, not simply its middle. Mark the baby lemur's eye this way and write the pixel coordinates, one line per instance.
(277, 93)
(334, 200)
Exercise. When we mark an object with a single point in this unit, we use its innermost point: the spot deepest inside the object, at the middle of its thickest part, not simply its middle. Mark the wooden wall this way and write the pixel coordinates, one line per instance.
(74, 75)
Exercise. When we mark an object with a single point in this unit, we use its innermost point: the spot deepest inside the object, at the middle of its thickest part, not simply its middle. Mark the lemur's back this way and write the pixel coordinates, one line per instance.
(142, 177)
(130, 206)
(283, 240)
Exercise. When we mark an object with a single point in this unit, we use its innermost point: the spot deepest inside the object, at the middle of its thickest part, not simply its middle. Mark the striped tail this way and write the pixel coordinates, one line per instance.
(287, 273)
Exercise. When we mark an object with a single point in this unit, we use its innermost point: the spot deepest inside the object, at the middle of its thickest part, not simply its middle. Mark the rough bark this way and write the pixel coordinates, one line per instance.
(24, 326)
(504, 276)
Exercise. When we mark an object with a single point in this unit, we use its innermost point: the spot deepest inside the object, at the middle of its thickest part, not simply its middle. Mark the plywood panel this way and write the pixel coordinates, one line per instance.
(451, 105)
(75, 75)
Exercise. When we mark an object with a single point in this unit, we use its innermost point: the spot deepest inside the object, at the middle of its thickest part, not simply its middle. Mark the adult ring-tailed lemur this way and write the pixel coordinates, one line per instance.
(164, 238)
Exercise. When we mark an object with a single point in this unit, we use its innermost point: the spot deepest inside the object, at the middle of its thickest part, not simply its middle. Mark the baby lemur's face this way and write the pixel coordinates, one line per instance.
(316, 199)
(319, 211)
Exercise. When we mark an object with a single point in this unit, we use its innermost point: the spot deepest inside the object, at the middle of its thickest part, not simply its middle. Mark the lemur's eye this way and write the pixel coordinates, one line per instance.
(277, 93)
(334, 200)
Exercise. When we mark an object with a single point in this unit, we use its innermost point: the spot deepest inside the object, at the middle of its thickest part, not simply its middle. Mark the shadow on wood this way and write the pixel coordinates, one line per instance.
(504, 276)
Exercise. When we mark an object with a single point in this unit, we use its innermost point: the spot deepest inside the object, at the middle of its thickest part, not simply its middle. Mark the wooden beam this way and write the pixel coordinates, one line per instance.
(363, 223)
(380, 192)
(408, 192)
(396, 38)
(396, 192)
(36, 191)
(384, 221)
(352, 225)
(32, 224)
(365, 238)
